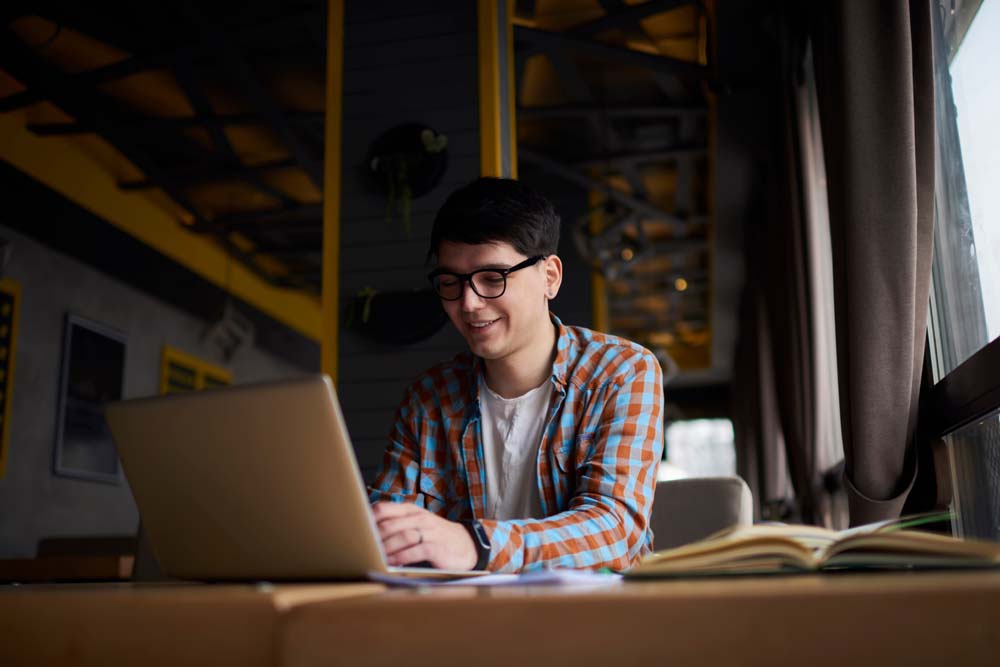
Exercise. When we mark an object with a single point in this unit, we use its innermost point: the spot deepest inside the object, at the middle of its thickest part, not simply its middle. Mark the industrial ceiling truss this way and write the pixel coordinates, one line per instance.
(236, 160)
(612, 98)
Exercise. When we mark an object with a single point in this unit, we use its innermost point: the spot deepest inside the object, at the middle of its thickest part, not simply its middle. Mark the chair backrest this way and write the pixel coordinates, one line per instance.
(687, 510)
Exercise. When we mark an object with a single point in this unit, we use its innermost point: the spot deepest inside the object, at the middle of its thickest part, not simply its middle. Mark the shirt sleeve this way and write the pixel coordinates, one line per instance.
(608, 515)
(398, 478)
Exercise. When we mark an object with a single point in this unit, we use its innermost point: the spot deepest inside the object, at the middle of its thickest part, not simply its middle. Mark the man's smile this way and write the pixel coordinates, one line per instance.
(479, 325)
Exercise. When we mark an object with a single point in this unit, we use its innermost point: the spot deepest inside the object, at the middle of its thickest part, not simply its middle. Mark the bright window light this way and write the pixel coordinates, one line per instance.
(699, 448)
(977, 99)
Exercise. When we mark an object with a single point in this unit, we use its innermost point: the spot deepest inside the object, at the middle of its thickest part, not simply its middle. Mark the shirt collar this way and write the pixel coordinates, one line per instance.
(560, 367)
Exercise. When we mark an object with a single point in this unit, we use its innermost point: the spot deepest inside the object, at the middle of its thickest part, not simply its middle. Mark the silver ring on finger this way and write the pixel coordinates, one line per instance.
(420, 536)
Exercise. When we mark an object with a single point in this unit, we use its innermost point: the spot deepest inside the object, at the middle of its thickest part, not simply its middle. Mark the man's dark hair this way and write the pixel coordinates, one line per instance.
(490, 210)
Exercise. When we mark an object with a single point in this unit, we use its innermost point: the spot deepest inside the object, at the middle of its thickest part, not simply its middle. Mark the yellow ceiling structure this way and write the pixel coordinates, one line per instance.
(93, 171)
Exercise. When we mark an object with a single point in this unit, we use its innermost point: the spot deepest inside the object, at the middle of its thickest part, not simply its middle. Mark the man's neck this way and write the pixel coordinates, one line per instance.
(517, 374)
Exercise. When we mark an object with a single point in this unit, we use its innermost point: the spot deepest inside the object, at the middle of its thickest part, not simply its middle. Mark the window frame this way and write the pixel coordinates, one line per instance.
(967, 394)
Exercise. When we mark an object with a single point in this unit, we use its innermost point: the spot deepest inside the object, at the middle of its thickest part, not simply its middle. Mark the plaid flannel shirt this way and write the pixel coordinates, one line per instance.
(596, 463)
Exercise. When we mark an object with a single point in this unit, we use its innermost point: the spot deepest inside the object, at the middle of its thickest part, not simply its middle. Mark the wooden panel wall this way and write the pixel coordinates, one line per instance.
(403, 62)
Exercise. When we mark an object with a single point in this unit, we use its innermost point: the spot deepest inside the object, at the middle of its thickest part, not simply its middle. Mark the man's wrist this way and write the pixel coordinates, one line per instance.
(481, 541)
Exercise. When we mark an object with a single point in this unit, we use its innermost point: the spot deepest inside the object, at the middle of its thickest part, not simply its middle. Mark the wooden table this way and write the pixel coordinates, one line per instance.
(912, 619)
(880, 619)
(151, 624)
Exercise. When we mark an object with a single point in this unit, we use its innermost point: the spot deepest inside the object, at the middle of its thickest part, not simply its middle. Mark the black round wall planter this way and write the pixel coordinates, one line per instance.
(403, 148)
(397, 318)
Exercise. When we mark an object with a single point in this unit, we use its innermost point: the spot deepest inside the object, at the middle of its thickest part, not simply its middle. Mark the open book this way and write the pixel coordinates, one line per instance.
(768, 548)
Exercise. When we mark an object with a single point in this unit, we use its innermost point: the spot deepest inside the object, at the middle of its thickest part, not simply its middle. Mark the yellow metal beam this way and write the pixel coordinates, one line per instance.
(64, 165)
(512, 87)
(599, 303)
(492, 52)
(10, 303)
(329, 343)
(600, 318)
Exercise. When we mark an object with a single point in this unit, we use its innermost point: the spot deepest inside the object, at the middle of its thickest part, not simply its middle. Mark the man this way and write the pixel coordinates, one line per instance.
(539, 446)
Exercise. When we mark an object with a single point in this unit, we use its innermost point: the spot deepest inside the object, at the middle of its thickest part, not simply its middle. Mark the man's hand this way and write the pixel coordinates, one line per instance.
(411, 534)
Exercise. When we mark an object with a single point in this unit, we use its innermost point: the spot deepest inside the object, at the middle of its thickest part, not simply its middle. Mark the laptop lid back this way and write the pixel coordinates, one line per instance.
(250, 482)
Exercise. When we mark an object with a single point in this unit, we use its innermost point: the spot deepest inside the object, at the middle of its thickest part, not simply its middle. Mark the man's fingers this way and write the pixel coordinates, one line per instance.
(414, 554)
(389, 527)
(411, 534)
(405, 539)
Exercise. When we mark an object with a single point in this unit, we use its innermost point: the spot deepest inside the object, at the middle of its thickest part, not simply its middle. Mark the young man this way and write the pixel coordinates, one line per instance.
(539, 446)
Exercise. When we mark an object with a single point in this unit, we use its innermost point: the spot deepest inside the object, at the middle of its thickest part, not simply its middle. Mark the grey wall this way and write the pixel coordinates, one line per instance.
(417, 64)
(35, 502)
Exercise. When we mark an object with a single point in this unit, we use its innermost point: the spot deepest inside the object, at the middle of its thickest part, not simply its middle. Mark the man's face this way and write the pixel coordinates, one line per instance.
(500, 327)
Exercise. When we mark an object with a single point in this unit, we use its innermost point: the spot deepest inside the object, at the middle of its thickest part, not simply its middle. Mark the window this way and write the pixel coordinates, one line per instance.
(974, 455)
(965, 294)
(182, 372)
(977, 98)
(699, 448)
(965, 308)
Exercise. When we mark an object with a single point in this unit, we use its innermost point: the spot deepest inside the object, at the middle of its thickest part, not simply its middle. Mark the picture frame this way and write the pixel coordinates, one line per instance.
(92, 374)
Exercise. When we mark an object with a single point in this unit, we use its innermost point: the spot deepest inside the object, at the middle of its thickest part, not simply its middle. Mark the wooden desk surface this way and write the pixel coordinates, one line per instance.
(912, 619)
(151, 624)
(883, 619)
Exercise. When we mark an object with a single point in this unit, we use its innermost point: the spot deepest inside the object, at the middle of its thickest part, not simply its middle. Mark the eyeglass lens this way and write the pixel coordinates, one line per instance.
(487, 284)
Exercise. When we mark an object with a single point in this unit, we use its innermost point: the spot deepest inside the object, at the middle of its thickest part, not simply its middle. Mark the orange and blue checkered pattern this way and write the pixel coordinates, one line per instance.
(597, 460)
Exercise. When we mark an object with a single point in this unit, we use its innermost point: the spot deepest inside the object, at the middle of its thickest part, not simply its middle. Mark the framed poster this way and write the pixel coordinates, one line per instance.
(93, 374)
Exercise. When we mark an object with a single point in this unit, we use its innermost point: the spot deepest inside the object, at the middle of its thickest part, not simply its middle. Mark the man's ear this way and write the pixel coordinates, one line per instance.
(553, 276)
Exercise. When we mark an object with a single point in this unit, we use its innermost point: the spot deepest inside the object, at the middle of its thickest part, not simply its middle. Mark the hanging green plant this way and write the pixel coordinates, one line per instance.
(407, 162)
(365, 296)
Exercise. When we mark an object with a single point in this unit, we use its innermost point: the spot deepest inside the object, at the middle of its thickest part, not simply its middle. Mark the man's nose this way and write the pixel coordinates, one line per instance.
(470, 300)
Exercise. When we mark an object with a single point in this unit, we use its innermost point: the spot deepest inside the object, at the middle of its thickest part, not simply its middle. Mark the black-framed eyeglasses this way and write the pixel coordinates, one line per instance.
(487, 283)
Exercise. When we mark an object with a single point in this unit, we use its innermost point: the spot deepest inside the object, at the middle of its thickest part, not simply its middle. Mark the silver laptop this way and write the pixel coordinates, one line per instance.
(255, 482)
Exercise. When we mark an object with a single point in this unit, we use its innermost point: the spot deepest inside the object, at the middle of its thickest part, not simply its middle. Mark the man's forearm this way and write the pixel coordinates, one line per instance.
(591, 536)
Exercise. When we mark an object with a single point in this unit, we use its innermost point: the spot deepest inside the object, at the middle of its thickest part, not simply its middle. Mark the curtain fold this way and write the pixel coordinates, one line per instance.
(760, 454)
(875, 88)
(744, 407)
(826, 443)
(787, 278)
(785, 314)
(761, 451)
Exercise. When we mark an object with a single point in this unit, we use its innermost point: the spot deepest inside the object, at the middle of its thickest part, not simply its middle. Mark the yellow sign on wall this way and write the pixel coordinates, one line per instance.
(10, 299)
(181, 372)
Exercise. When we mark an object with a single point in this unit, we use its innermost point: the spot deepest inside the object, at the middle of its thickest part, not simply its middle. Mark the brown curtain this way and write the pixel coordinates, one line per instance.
(746, 421)
(825, 443)
(787, 277)
(760, 453)
(875, 88)
(777, 360)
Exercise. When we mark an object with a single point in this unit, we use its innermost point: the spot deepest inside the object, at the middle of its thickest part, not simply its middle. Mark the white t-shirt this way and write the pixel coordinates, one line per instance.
(512, 433)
